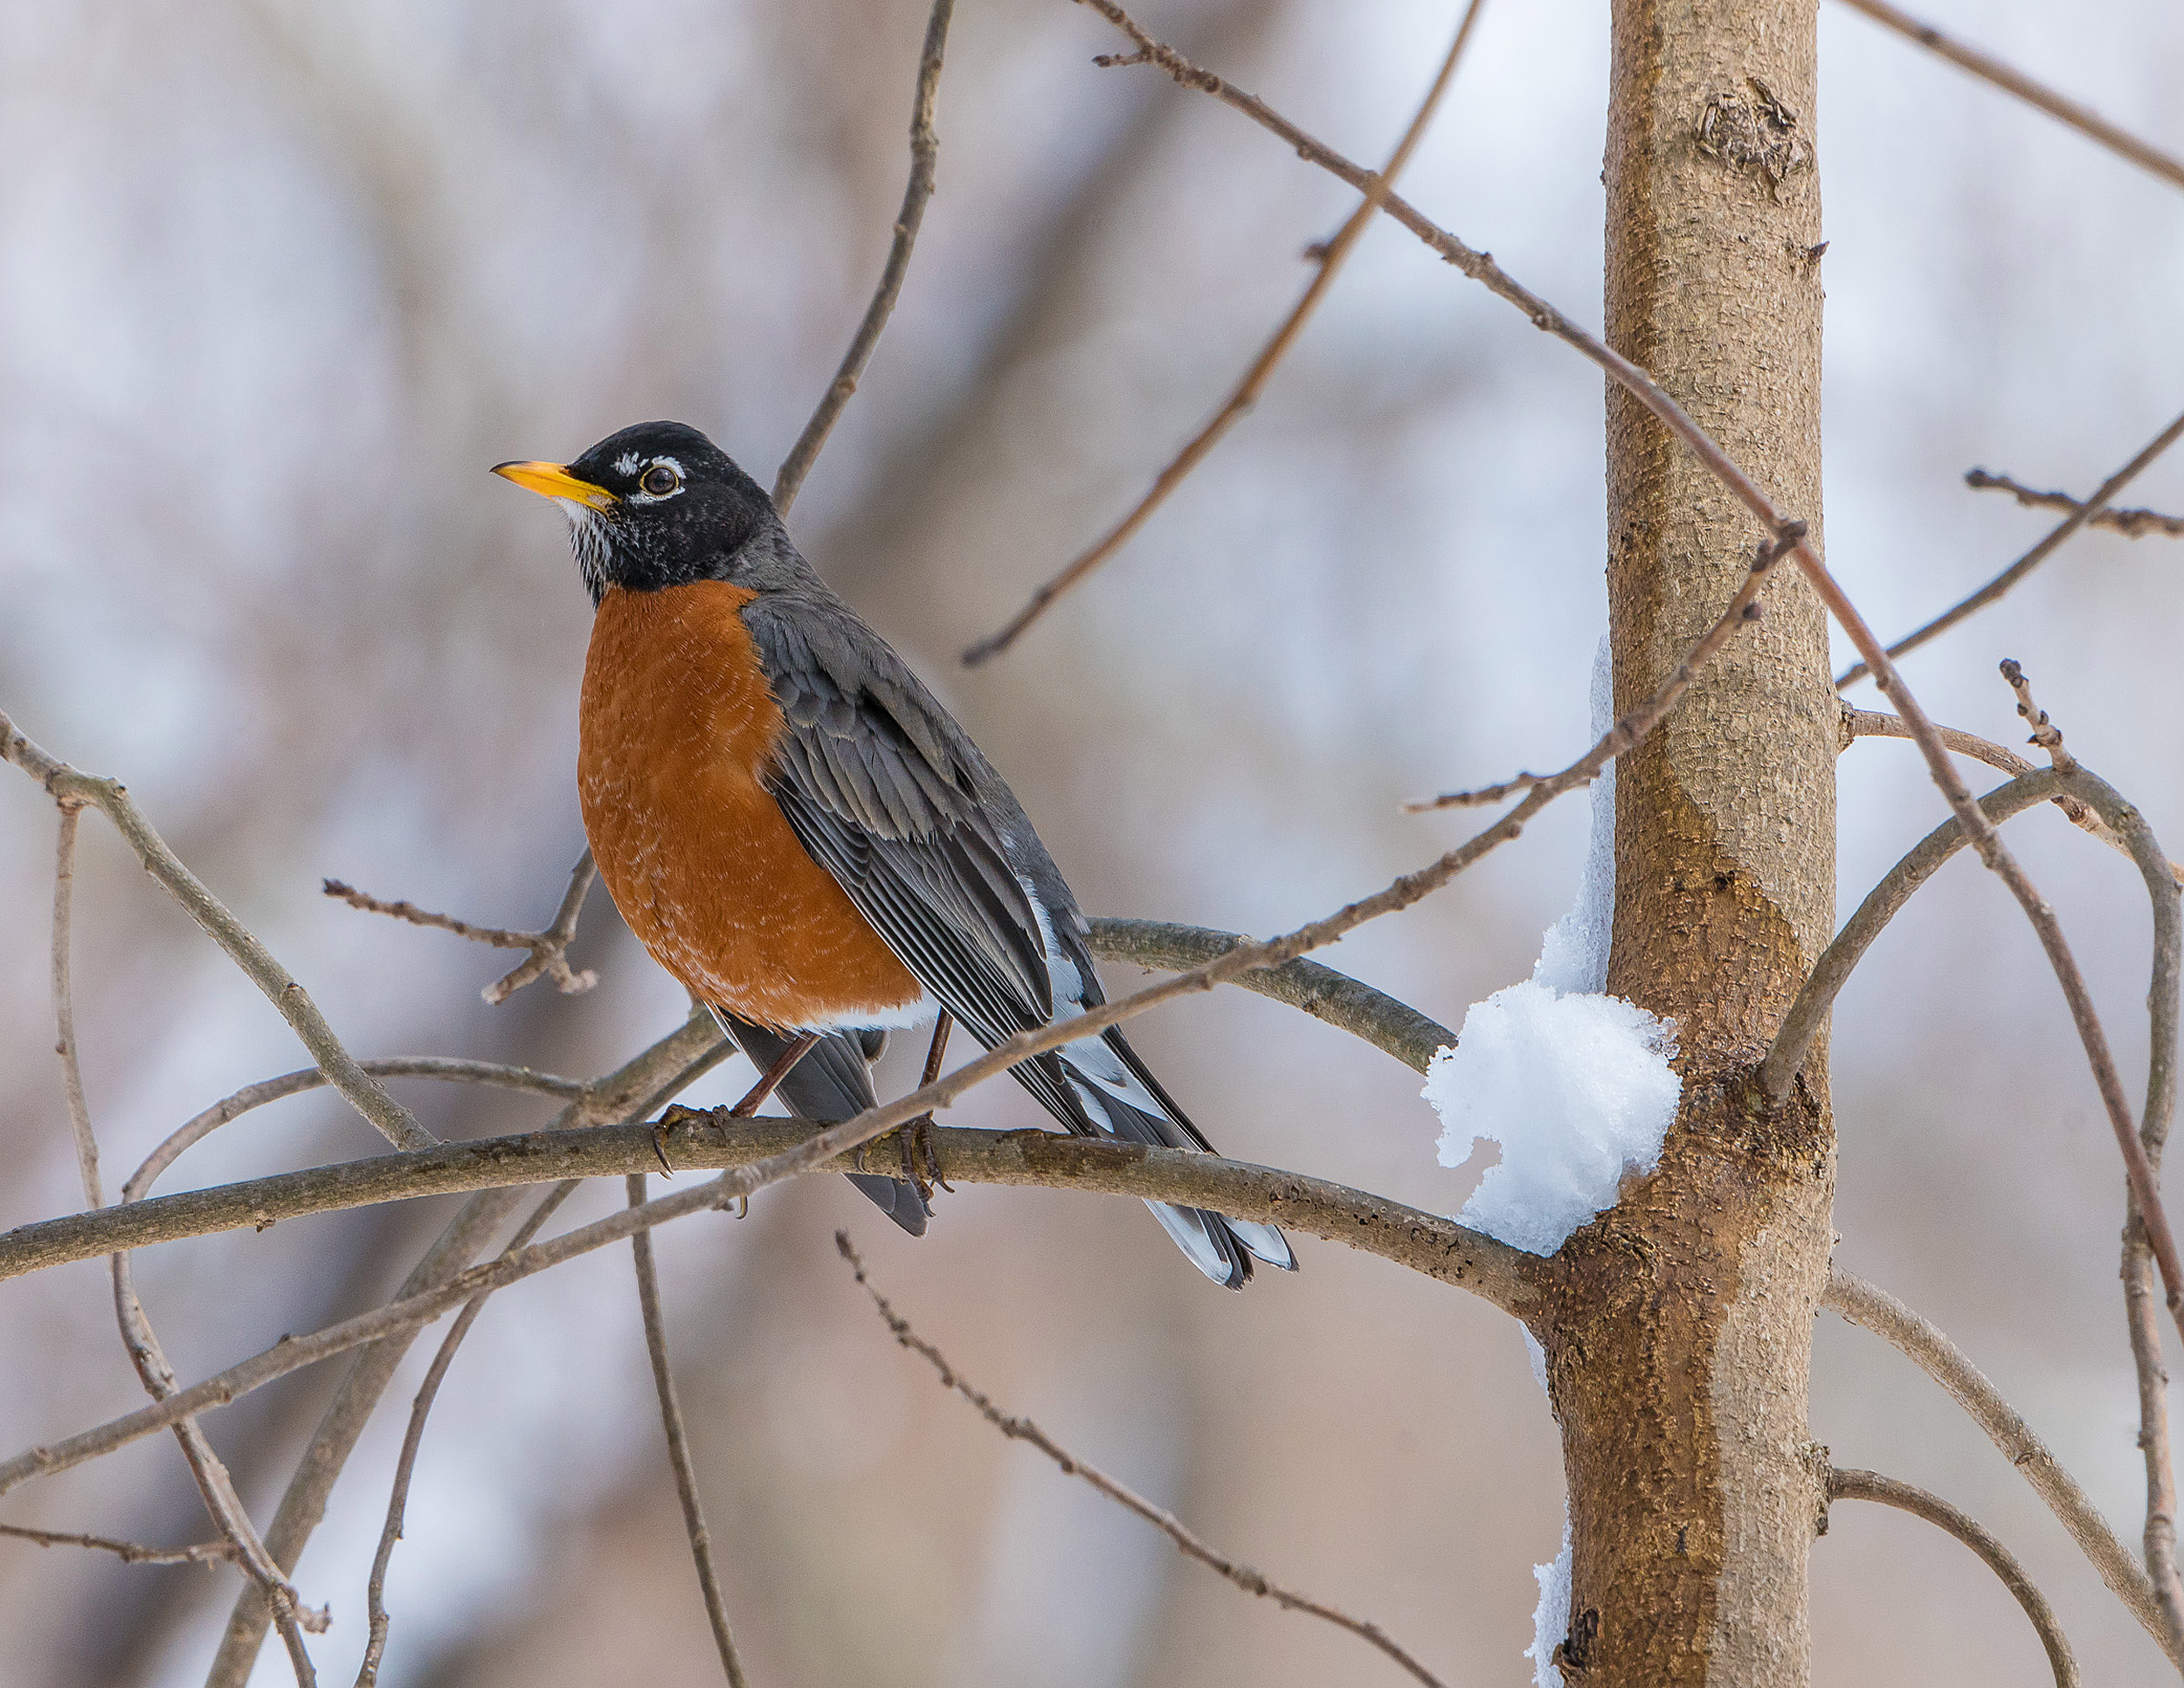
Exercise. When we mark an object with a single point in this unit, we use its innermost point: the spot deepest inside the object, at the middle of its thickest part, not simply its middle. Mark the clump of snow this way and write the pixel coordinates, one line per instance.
(1574, 955)
(1576, 1086)
(1551, 1618)
(1576, 1090)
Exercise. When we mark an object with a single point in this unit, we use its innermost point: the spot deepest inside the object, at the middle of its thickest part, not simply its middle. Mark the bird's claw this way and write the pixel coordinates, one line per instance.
(675, 1115)
(921, 1161)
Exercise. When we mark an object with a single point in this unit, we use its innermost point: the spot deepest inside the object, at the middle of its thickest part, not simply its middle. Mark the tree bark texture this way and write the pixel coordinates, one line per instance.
(1680, 1347)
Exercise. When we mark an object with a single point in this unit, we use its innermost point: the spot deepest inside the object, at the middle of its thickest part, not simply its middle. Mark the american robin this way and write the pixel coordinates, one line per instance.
(799, 831)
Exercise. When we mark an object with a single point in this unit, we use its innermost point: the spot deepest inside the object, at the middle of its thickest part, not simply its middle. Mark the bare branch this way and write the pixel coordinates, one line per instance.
(213, 1482)
(65, 784)
(678, 1444)
(420, 1410)
(924, 159)
(1872, 1485)
(549, 947)
(449, 1067)
(701, 1142)
(2079, 517)
(621, 1096)
(1809, 1010)
(2010, 80)
(2144, 1323)
(1331, 258)
(2132, 524)
(290, 1615)
(1190, 1544)
(1425, 1242)
(129, 1553)
(1872, 723)
(1340, 1000)
(64, 1008)
(1865, 1305)
(1632, 729)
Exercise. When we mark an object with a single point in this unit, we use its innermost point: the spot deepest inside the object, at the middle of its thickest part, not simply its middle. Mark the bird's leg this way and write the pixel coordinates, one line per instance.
(750, 1104)
(918, 1135)
(773, 1075)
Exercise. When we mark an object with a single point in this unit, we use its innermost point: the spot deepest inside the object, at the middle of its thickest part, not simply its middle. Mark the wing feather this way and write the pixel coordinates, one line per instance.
(879, 785)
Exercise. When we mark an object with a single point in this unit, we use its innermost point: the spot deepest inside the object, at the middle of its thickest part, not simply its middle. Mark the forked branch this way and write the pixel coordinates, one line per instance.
(549, 947)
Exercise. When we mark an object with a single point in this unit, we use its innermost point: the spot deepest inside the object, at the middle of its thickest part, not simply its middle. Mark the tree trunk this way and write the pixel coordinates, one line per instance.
(1680, 1351)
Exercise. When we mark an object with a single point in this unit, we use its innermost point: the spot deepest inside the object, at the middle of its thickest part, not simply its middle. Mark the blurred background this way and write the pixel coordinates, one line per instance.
(279, 281)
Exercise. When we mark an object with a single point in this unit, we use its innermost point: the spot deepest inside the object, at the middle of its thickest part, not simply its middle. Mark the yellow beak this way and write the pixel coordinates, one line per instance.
(551, 481)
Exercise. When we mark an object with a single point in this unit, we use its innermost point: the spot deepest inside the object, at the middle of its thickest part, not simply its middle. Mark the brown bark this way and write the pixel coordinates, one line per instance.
(1680, 1345)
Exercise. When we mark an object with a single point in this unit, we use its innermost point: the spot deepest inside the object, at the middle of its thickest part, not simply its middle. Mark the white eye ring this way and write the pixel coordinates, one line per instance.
(658, 481)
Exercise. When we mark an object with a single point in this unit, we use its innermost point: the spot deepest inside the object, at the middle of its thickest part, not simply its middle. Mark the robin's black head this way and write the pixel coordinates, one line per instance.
(659, 505)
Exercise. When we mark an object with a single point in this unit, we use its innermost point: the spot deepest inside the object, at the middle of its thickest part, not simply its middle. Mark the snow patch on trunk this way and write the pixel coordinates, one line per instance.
(1575, 1085)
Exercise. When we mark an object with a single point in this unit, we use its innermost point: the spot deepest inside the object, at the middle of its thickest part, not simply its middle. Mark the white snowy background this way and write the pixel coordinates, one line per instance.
(278, 281)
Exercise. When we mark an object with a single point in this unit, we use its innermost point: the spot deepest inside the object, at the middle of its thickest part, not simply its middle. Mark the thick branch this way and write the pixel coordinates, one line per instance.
(66, 786)
(1423, 1242)
(1864, 1304)
(1872, 1485)
(1340, 1000)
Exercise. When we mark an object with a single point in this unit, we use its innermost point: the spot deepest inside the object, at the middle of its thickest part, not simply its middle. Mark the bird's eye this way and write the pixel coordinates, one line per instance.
(658, 481)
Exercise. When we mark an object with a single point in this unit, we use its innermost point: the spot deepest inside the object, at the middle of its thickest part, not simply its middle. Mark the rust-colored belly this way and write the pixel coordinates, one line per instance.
(676, 725)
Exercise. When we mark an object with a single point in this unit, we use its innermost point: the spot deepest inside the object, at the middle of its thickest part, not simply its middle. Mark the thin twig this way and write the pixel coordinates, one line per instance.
(1872, 1485)
(290, 1615)
(420, 1411)
(226, 1508)
(549, 947)
(66, 785)
(2132, 524)
(2079, 517)
(924, 158)
(64, 1008)
(1865, 1305)
(1632, 729)
(620, 1096)
(1191, 1546)
(1990, 69)
(678, 1444)
(230, 1108)
(129, 1553)
(1246, 393)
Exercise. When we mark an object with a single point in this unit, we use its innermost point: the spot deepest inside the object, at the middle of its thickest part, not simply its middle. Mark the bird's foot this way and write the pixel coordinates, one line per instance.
(675, 1115)
(921, 1160)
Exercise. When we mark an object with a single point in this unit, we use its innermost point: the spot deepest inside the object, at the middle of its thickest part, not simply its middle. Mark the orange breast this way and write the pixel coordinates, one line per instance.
(675, 726)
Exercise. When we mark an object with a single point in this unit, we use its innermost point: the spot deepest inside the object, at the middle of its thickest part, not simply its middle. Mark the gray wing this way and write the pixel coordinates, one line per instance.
(883, 789)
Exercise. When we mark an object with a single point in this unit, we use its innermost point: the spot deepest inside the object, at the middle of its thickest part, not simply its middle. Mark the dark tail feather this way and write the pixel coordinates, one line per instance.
(829, 1085)
(1099, 1088)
